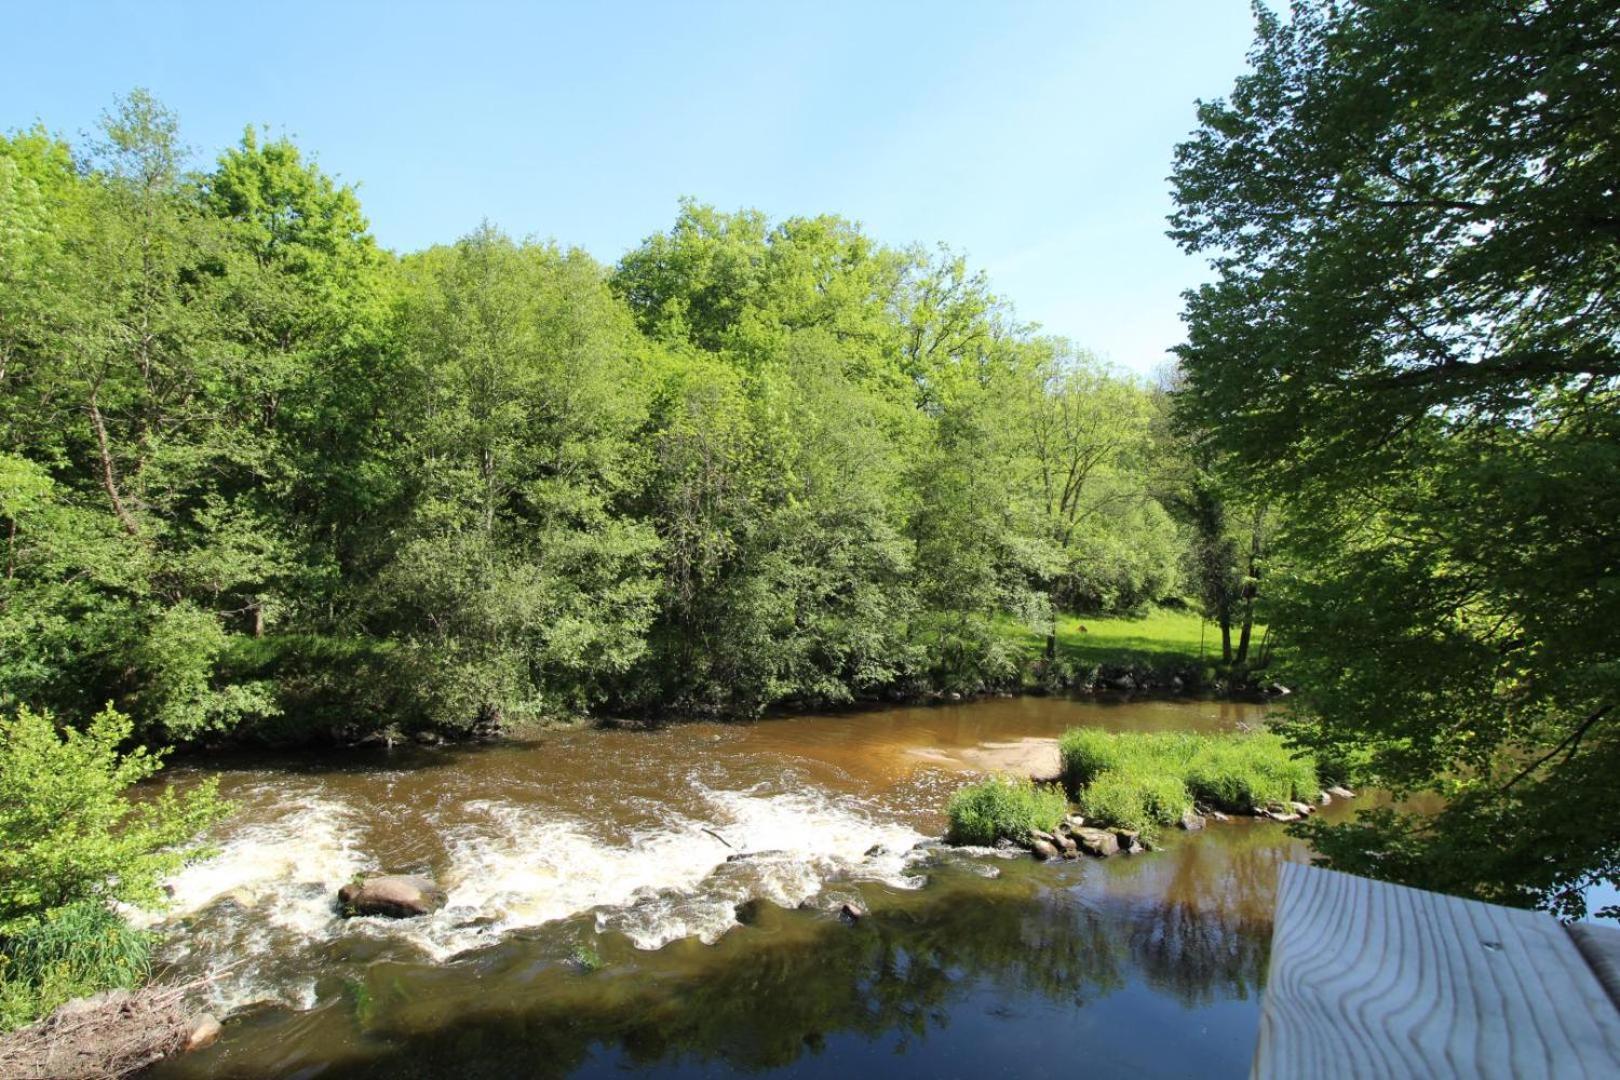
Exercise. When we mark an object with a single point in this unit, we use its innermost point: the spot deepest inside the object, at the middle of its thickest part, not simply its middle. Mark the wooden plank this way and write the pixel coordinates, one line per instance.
(1376, 980)
(1600, 945)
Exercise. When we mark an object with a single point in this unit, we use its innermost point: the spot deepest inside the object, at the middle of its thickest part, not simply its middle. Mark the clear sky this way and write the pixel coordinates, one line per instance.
(1034, 137)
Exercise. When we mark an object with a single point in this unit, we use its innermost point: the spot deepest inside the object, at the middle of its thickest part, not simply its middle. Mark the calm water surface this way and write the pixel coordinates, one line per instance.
(656, 902)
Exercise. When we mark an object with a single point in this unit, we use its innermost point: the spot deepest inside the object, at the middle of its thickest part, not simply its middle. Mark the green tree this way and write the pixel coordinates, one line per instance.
(69, 833)
(515, 583)
(1412, 345)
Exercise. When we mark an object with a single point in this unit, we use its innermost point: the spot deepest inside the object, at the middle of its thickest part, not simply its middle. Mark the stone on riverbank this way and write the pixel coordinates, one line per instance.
(395, 896)
(1043, 849)
(1098, 842)
(1191, 822)
(1341, 792)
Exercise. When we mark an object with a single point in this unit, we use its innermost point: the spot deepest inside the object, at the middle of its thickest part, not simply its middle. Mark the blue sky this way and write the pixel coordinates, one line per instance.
(1034, 137)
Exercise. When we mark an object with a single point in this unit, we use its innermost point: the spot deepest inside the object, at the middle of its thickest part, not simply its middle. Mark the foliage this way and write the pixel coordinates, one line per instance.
(74, 951)
(1142, 779)
(70, 834)
(1140, 801)
(1003, 808)
(263, 480)
(1411, 348)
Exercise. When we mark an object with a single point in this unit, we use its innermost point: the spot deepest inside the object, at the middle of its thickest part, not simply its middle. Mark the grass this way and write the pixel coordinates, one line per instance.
(1003, 808)
(1163, 637)
(1146, 780)
(72, 952)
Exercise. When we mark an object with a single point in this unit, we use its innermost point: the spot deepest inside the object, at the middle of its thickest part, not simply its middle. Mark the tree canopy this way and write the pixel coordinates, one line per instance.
(1413, 345)
(260, 478)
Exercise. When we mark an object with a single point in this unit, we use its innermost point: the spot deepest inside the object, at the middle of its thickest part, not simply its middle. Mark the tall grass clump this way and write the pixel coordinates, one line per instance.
(1143, 802)
(1003, 808)
(1240, 772)
(74, 951)
(1140, 780)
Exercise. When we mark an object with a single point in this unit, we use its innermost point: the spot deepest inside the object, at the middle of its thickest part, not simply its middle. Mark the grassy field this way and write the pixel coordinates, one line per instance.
(1161, 638)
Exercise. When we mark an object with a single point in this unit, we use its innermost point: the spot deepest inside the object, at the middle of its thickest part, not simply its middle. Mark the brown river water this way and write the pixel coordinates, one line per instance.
(600, 922)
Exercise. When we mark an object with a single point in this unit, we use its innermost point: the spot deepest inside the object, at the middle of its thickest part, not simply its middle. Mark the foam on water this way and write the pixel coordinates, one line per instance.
(509, 866)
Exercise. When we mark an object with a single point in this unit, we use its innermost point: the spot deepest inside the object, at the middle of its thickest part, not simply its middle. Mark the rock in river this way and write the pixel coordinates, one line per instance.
(1043, 849)
(1096, 841)
(398, 896)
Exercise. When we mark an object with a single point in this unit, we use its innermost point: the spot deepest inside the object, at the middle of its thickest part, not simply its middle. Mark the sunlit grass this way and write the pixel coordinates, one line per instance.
(1161, 637)
(1003, 808)
(1145, 780)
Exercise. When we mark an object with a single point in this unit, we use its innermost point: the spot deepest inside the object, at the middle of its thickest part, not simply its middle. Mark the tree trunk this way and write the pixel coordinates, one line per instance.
(1243, 637)
(109, 476)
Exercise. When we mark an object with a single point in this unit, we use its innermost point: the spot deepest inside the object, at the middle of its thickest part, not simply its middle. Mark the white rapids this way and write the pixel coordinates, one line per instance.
(507, 866)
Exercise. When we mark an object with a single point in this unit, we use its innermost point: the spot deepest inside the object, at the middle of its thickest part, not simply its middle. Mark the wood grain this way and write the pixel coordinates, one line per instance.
(1376, 980)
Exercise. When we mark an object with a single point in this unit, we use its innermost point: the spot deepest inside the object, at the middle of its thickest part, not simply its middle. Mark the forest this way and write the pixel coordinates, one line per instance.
(265, 480)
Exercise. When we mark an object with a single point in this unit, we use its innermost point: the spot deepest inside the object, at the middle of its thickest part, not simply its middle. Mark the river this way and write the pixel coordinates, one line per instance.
(658, 902)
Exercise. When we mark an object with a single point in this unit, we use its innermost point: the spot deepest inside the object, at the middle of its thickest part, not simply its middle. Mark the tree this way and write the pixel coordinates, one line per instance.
(514, 583)
(68, 831)
(1413, 343)
(1086, 437)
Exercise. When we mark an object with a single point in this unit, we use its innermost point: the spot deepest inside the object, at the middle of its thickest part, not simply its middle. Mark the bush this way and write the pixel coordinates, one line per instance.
(1003, 808)
(1242, 772)
(74, 951)
(1087, 753)
(68, 833)
(1143, 802)
(1132, 780)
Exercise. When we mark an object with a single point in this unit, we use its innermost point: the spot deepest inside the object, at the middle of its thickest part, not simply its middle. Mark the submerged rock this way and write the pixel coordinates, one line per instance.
(396, 896)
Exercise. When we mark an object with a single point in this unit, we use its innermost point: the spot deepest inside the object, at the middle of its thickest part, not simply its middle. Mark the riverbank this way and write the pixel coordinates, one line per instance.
(1163, 652)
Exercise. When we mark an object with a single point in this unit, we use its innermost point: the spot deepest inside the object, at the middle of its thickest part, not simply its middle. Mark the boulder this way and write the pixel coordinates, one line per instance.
(1191, 822)
(1041, 834)
(1099, 842)
(1216, 815)
(397, 896)
(205, 1031)
(1341, 792)
(1075, 821)
(1323, 798)
(1302, 808)
(1043, 849)
(851, 912)
(1065, 843)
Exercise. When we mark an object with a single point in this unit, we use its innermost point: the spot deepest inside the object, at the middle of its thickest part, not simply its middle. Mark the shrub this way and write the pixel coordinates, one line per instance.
(74, 951)
(68, 833)
(1134, 779)
(1003, 808)
(1140, 801)
(1087, 753)
(1240, 772)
